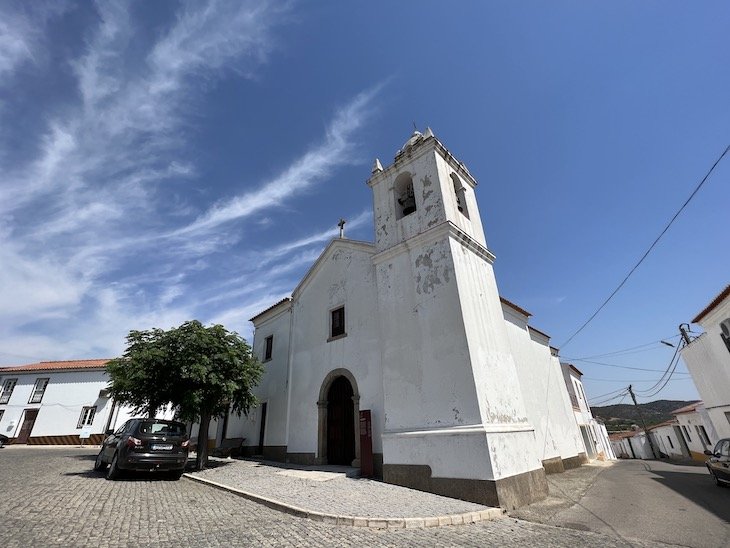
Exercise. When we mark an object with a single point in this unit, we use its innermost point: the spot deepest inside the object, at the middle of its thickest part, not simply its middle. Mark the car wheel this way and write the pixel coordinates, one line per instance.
(99, 464)
(114, 472)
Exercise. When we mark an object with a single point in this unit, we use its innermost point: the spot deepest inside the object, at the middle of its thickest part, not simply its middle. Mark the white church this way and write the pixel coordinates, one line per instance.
(466, 399)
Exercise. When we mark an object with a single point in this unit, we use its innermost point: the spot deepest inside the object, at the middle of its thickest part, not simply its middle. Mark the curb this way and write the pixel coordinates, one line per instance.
(373, 523)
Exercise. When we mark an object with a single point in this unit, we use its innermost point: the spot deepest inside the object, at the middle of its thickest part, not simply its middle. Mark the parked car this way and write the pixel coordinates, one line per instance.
(153, 445)
(719, 462)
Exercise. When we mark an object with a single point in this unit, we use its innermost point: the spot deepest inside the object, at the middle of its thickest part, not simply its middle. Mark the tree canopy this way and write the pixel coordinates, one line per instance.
(203, 372)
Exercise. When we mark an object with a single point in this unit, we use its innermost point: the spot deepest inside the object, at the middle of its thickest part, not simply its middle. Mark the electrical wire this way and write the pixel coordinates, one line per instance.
(672, 365)
(651, 247)
(669, 378)
(607, 400)
(625, 350)
(608, 393)
(627, 366)
(632, 381)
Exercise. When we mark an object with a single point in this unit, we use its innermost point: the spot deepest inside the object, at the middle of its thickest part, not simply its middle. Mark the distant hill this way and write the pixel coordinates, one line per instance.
(622, 417)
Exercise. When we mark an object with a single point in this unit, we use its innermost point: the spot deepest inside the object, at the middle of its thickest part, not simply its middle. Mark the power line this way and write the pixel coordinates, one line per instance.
(669, 378)
(625, 366)
(607, 400)
(625, 350)
(697, 188)
(672, 365)
(608, 393)
(633, 381)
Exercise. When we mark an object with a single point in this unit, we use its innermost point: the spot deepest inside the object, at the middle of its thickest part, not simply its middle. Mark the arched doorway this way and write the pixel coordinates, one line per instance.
(339, 410)
(340, 423)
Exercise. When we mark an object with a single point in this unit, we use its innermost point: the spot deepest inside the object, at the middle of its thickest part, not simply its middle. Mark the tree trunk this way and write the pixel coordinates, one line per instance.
(202, 458)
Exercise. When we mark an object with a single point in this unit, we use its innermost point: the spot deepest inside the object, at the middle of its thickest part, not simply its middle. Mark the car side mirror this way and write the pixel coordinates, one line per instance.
(709, 453)
(109, 432)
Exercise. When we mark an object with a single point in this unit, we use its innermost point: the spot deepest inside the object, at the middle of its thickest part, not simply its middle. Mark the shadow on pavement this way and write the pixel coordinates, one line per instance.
(126, 476)
(699, 488)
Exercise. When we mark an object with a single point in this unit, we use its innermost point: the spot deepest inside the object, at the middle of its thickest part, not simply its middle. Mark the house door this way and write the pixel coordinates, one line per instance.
(340, 423)
(28, 422)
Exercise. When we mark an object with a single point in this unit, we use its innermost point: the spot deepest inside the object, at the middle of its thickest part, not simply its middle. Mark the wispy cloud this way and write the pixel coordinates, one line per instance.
(21, 33)
(99, 232)
(336, 150)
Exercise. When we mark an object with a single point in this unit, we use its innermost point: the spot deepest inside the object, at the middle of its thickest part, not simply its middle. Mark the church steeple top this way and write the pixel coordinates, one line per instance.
(415, 139)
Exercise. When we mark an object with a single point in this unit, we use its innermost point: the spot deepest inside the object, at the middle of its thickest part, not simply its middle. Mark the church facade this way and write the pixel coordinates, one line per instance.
(466, 399)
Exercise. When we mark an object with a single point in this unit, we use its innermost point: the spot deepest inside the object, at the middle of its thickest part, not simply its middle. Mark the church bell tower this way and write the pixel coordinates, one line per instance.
(455, 420)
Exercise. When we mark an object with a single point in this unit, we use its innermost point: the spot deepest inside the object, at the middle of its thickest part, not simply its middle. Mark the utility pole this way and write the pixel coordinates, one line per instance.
(641, 418)
(683, 331)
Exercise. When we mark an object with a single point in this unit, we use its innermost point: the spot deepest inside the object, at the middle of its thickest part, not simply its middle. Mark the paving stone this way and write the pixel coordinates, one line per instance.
(332, 493)
(53, 498)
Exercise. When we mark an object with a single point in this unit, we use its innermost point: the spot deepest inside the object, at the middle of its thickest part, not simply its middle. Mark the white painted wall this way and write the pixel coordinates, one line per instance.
(544, 392)
(708, 361)
(273, 386)
(343, 275)
(665, 439)
(59, 410)
(690, 422)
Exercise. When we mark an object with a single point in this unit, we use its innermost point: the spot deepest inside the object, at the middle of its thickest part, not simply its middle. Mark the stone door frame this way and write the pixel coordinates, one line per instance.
(322, 408)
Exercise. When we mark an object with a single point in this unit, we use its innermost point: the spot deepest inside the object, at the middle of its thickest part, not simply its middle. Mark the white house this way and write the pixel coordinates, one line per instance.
(696, 429)
(53, 402)
(462, 393)
(668, 439)
(595, 436)
(708, 361)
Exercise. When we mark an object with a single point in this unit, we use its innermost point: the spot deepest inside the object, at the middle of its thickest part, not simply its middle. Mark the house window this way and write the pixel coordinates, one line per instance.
(38, 390)
(268, 347)
(337, 323)
(686, 433)
(725, 335)
(670, 442)
(87, 416)
(7, 390)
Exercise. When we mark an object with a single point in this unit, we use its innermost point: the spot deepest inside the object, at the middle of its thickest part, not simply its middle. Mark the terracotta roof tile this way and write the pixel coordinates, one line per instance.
(282, 301)
(687, 408)
(717, 300)
(56, 365)
(515, 307)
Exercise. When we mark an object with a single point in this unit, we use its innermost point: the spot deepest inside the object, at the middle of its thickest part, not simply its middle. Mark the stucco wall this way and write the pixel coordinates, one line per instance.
(708, 361)
(345, 277)
(545, 394)
(695, 444)
(60, 408)
(273, 386)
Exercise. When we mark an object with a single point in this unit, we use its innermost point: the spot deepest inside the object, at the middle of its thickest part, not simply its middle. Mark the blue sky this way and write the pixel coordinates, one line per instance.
(163, 161)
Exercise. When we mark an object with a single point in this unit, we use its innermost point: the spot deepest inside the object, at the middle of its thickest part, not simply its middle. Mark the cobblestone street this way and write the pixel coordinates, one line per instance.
(51, 497)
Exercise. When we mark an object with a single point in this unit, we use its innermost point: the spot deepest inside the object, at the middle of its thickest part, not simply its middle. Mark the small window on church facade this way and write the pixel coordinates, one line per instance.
(460, 194)
(337, 322)
(405, 198)
(268, 347)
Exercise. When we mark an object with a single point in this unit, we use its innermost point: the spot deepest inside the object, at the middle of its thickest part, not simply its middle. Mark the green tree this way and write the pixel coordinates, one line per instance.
(204, 372)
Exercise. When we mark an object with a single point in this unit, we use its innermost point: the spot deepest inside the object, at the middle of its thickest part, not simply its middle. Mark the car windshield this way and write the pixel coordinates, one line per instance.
(166, 428)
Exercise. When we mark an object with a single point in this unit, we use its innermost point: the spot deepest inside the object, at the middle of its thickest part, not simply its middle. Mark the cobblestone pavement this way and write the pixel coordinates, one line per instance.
(50, 497)
(333, 493)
